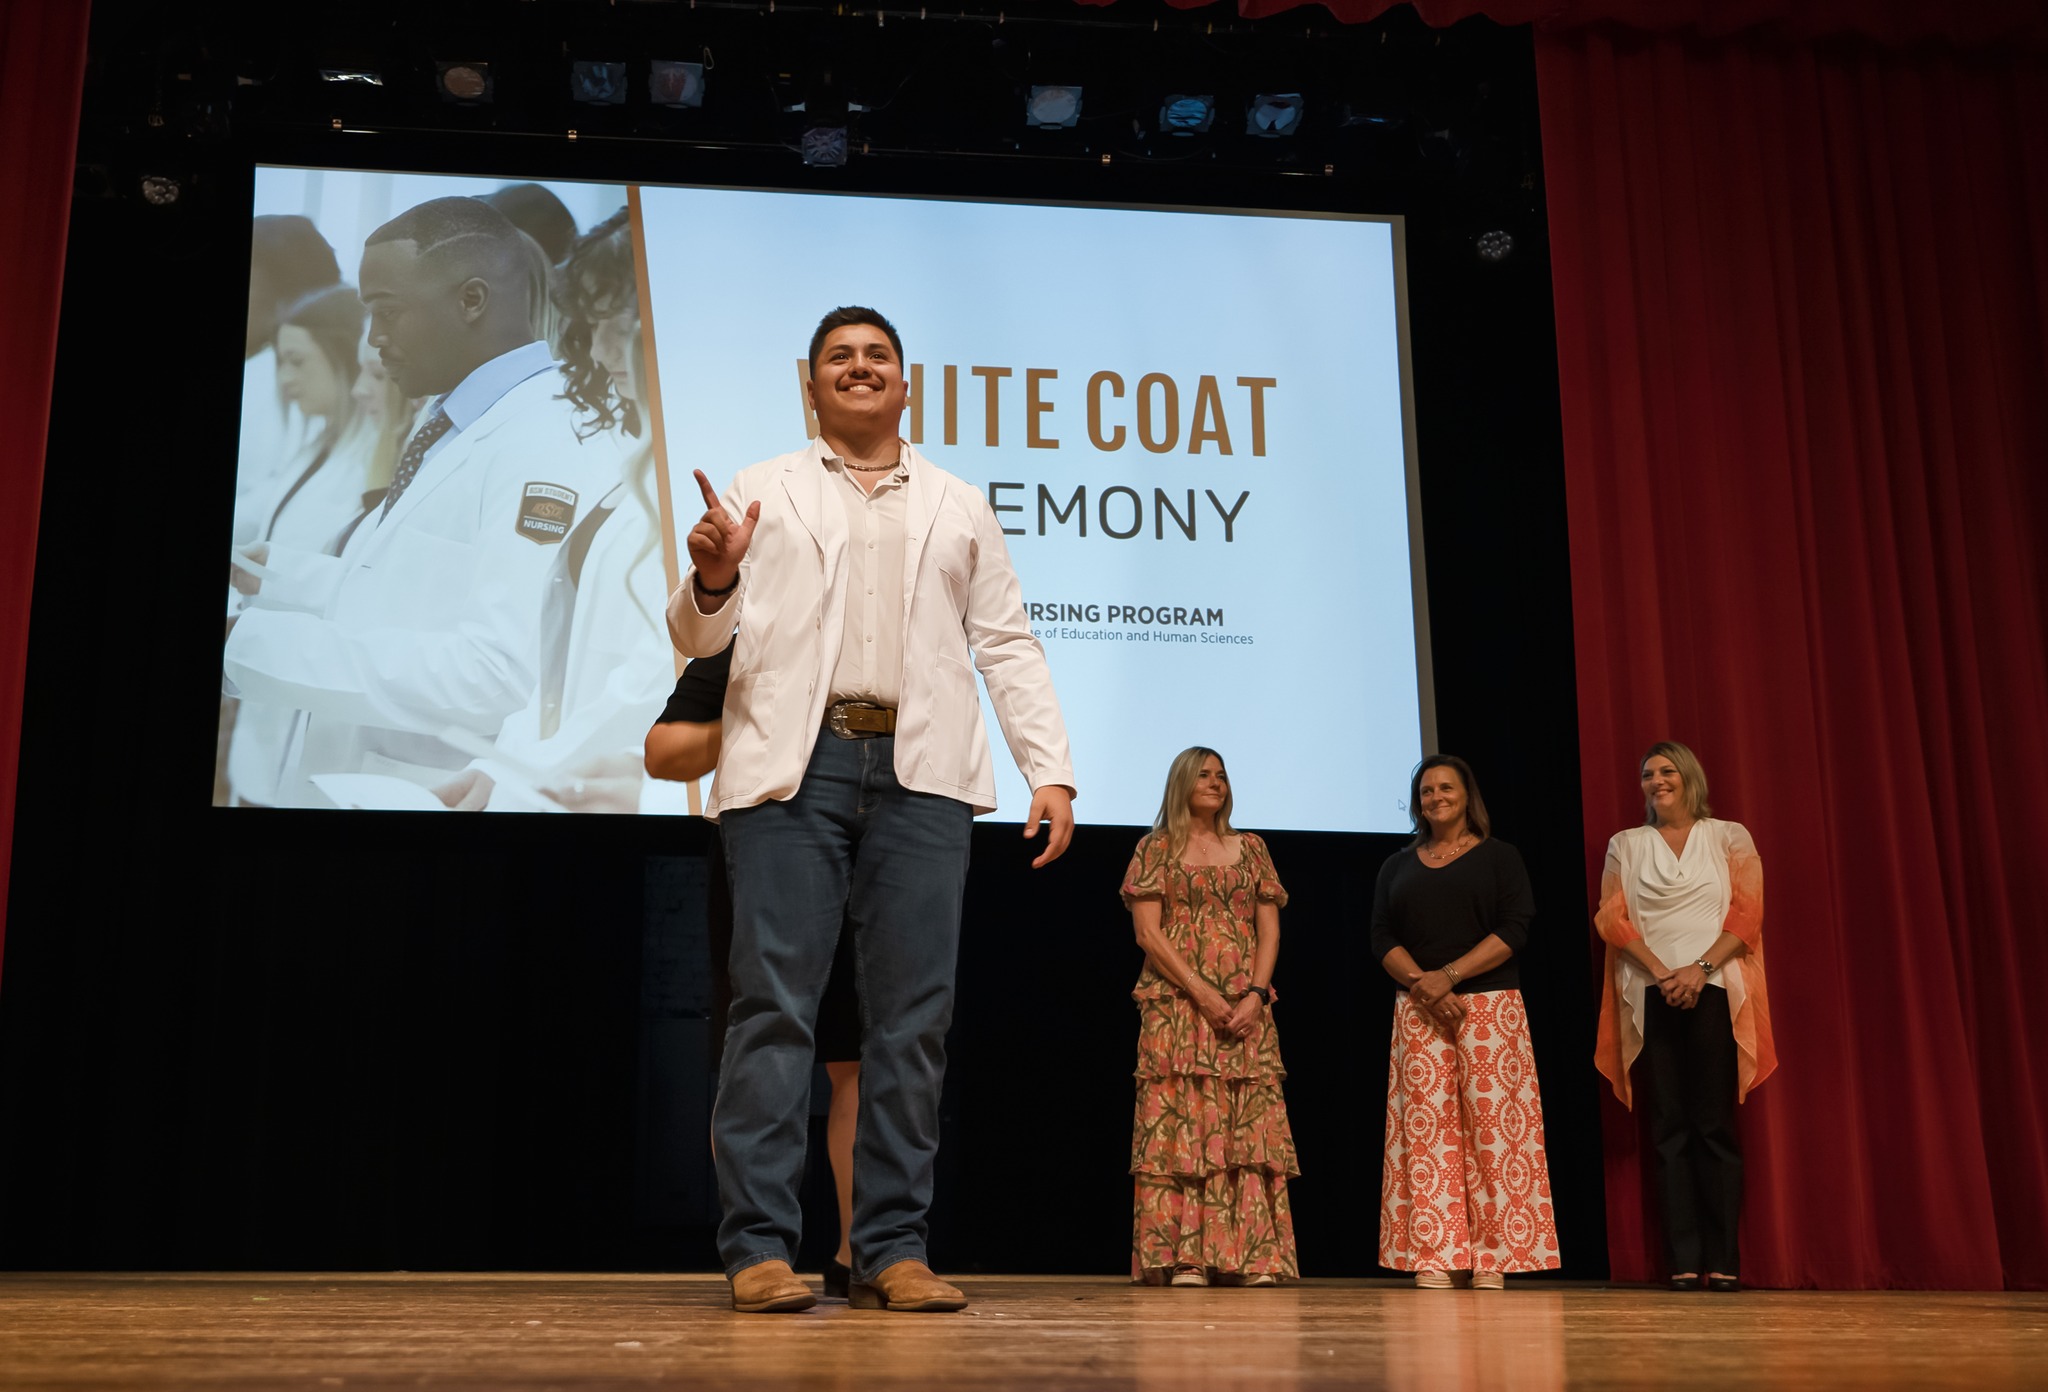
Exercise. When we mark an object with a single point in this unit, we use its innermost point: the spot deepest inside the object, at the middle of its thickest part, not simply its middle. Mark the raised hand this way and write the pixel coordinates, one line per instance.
(717, 543)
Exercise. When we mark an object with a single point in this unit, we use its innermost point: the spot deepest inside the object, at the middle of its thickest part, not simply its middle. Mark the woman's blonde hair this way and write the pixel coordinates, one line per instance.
(1173, 818)
(1689, 772)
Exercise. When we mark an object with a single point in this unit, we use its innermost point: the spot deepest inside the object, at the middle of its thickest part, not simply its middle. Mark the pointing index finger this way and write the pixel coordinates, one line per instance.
(711, 503)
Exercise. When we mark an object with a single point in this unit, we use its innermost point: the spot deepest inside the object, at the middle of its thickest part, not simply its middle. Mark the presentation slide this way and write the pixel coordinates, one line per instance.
(1190, 425)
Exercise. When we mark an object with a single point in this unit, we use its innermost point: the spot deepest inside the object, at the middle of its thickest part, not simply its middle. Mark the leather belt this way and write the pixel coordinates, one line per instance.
(859, 719)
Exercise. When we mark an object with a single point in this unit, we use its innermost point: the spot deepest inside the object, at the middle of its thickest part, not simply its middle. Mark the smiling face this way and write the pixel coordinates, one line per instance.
(1211, 792)
(857, 385)
(1442, 798)
(304, 375)
(1664, 790)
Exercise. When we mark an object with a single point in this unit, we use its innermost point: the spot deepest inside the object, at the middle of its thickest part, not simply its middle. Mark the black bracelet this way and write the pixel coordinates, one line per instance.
(708, 592)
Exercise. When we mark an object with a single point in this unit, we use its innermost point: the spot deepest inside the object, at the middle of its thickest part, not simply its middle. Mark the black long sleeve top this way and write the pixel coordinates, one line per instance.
(1441, 914)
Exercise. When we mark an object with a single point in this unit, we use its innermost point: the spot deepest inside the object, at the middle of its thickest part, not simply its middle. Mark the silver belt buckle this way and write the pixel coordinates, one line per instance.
(835, 719)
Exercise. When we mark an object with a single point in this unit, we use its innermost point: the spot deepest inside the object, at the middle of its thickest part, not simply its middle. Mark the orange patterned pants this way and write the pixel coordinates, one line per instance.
(1464, 1186)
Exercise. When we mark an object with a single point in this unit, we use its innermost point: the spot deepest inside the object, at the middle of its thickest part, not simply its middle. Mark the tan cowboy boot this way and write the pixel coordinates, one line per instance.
(906, 1285)
(770, 1288)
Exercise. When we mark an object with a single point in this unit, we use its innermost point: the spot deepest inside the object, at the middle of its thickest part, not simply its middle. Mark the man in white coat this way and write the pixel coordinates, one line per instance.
(860, 578)
(427, 618)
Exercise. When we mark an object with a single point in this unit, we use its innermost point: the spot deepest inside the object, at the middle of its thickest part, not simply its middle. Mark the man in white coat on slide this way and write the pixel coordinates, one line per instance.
(427, 618)
(861, 579)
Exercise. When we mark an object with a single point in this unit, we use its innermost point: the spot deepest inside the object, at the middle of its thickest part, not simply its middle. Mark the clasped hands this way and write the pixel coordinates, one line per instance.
(1682, 986)
(1434, 996)
(1231, 1021)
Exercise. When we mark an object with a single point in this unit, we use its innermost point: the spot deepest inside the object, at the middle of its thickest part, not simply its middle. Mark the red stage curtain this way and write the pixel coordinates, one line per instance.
(1801, 297)
(42, 68)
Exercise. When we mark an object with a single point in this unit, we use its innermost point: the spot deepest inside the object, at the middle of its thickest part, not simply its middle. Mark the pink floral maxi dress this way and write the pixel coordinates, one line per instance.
(1211, 1150)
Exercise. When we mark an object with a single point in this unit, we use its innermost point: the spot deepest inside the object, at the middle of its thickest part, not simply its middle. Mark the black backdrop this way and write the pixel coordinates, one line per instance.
(240, 1039)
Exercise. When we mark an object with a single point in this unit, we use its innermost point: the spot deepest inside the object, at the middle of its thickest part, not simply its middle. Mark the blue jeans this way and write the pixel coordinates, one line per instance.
(852, 845)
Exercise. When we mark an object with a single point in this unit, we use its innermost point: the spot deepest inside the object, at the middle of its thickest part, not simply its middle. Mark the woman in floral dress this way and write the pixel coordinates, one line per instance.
(1210, 1146)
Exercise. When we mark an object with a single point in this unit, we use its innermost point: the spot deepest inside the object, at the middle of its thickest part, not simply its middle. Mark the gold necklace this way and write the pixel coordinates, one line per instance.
(1458, 848)
(871, 468)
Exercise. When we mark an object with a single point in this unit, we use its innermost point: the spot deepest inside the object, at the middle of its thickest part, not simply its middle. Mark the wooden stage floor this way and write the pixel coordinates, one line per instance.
(585, 1332)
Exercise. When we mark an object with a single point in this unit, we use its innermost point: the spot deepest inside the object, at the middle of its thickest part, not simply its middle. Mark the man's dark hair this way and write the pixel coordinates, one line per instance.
(444, 226)
(853, 314)
(292, 255)
(534, 210)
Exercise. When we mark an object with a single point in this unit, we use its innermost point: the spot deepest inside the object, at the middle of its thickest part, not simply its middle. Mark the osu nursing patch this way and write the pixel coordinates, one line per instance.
(546, 512)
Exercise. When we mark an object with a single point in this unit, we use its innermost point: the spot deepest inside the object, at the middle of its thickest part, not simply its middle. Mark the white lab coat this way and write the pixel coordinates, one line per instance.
(309, 521)
(315, 515)
(620, 667)
(273, 431)
(427, 618)
(960, 594)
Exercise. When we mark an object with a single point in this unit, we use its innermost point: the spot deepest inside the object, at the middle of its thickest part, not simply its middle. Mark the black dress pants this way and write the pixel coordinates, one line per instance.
(1691, 1063)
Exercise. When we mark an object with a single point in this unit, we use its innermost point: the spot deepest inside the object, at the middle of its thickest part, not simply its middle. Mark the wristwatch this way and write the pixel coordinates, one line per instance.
(1708, 967)
(1264, 993)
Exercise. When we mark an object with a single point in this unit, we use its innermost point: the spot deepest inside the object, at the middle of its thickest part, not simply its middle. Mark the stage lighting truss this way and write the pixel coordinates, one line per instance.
(1273, 114)
(463, 83)
(675, 84)
(1053, 108)
(1181, 114)
(824, 147)
(598, 84)
(1494, 246)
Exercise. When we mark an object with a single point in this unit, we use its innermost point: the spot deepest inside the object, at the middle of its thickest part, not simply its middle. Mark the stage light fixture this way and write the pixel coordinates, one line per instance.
(161, 189)
(1495, 246)
(1273, 114)
(675, 84)
(360, 77)
(1181, 114)
(824, 147)
(1053, 108)
(598, 84)
(465, 84)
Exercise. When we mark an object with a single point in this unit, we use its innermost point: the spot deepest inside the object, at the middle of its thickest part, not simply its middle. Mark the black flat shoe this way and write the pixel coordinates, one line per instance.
(838, 1280)
(1685, 1283)
(1724, 1283)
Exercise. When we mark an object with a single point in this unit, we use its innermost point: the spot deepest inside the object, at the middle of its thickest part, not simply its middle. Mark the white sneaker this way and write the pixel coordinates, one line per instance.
(1188, 1276)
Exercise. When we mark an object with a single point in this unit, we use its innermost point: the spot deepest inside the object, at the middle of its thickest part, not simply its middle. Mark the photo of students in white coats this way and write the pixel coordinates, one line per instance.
(425, 620)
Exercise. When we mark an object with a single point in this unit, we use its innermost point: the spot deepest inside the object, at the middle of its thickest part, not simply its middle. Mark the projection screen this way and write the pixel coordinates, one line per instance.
(1193, 427)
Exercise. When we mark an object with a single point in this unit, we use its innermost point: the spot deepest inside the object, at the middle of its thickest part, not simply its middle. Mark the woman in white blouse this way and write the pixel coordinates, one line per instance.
(1681, 911)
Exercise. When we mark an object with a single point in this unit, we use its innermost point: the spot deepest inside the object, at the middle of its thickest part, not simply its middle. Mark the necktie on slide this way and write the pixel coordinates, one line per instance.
(416, 449)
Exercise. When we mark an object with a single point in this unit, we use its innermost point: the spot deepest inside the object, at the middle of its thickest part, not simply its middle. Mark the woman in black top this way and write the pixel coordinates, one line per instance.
(1464, 1188)
(683, 745)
